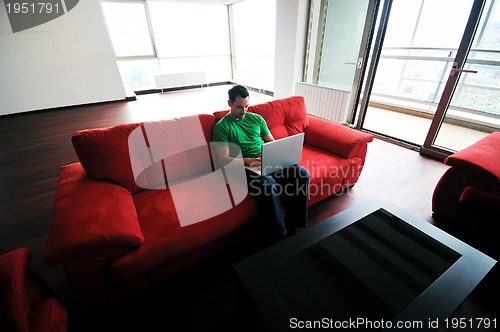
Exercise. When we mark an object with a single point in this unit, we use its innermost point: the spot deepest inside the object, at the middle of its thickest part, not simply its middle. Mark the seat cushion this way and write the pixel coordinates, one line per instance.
(166, 239)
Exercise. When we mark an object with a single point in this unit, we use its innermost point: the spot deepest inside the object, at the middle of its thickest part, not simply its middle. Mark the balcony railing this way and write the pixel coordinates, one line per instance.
(413, 78)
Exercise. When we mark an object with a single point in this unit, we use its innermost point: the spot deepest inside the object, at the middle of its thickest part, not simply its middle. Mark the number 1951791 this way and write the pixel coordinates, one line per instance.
(32, 8)
(472, 323)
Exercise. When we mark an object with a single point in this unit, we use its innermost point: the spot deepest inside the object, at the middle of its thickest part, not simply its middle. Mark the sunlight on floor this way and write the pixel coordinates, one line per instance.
(414, 129)
(173, 104)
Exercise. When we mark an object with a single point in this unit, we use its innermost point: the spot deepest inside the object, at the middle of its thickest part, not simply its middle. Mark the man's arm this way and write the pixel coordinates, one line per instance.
(268, 138)
(222, 153)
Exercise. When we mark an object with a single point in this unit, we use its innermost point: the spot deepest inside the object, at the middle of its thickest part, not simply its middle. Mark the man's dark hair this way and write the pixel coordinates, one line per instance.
(237, 91)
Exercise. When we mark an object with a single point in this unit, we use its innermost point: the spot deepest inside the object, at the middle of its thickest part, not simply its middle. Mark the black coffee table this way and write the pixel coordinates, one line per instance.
(371, 266)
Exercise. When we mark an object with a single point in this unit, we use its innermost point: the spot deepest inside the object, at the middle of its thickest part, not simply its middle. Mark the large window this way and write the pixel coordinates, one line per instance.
(133, 43)
(128, 28)
(254, 24)
(154, 38)
(192, 38)
(418, 54)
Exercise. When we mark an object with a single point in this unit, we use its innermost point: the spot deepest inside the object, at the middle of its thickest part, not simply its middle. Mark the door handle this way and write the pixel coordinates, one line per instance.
(358, 64)
(453, 71)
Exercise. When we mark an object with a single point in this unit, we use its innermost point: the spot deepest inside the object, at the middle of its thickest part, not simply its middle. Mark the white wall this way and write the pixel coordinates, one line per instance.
(291, 34)
(67, 61)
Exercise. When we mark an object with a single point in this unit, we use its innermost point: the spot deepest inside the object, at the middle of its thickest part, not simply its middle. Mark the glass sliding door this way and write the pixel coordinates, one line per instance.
(419, 46)
(469, 108)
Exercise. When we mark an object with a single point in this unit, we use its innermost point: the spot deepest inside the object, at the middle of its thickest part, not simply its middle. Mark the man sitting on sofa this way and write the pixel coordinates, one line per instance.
(249, 131)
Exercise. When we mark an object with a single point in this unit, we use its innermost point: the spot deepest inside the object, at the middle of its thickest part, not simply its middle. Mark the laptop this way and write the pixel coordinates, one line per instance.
(279, 154)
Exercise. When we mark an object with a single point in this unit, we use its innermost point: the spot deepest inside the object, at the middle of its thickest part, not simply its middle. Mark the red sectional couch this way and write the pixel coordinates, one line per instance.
(116, 238)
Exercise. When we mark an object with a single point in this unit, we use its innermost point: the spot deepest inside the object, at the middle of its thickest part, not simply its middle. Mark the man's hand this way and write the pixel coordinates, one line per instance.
(252, 161)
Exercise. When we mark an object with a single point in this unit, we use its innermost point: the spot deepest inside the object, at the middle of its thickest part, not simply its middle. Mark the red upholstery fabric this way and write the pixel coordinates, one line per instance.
(284, 117)
(186, 154)
(468, 193)
(335, 137)
(480, 200)
(166, 239)
(446, 197)
(89, 276)
(26, 302)
(482, 159)
(104, 152)
(327, 170)
(14, 302)
(102, 215)
(48, 316)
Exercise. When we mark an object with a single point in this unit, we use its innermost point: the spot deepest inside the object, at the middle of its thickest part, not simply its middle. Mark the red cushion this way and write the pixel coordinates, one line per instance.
(336, 138)
(178, 146)
(284, 117)
(481, 159)
(104, 152)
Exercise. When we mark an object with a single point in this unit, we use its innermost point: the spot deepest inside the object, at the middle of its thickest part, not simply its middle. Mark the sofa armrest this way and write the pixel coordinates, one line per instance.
(335, 138)
(89, 215)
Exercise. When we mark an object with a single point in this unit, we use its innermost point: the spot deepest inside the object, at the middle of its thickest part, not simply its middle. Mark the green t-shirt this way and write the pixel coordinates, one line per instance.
(247, 133)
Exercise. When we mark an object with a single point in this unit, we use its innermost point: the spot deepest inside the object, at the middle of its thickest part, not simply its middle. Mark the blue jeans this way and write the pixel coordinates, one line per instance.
(290, 186)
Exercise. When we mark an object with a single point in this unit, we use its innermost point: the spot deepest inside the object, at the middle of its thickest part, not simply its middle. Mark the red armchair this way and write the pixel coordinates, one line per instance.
(26, 301)
(468, 194)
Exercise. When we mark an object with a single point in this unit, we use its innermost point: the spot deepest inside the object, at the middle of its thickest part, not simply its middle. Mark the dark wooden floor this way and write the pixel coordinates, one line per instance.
(34, 145)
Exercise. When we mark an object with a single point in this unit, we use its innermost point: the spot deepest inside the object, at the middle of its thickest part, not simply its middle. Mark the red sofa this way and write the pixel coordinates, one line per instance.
(468, 193)
(116, 238)
(26, 301)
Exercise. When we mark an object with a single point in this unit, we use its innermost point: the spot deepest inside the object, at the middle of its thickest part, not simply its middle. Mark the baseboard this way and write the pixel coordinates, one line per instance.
(126, 99)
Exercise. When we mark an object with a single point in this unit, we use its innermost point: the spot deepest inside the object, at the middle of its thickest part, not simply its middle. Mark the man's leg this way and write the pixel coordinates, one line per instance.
(295, 183)
(267, 191)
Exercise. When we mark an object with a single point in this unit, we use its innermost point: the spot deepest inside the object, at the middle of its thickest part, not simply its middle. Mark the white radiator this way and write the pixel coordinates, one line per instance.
(323, 102)
(168, 81)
